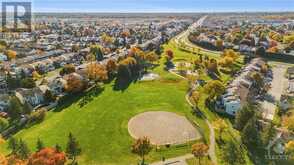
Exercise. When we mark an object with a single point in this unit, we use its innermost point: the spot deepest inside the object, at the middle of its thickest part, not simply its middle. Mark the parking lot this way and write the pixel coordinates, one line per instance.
(279, 83)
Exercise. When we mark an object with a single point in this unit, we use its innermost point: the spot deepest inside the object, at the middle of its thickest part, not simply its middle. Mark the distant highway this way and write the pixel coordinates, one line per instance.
(195, 25)
(183, 38)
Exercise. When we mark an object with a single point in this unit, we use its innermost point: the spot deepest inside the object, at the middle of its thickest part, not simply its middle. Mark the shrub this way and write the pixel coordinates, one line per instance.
(3, 124)
(38, 116)
(27, 83)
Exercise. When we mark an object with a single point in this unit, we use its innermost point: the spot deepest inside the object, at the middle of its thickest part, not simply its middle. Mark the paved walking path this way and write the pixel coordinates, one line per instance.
(181, 160)
(211, 151)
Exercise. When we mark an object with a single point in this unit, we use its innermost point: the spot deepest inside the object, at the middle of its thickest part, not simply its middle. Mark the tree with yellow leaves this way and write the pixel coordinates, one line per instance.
(289, 147)
(195, 97)
(288, 122)
(231, 53)
(226, 62)
(219, 44)
(221, 126)
(192, 79)
(228, 58)
(106, 39)
(11, 54)
(2, 48)
(36, 75)
(288, 39)
(151, 57)
(214, 89)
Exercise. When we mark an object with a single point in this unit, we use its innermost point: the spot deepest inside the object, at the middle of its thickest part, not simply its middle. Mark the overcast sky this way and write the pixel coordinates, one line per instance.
(160, 5)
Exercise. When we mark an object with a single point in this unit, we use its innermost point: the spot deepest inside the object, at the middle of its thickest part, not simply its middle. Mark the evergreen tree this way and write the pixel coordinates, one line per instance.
(12, 82)
(58, 148)
(40, 145)
(13, 145)
(243, 115)
(27, 108)
(3, 124)
(27, 83)
(73, 149)
(232, 154)
(268, 134)
(15, 109)
(250, 135)
(97, 52)
(23, 151)
(49, 97)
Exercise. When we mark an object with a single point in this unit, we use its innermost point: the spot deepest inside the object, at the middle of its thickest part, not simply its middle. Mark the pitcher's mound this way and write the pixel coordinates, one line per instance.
(163, 128)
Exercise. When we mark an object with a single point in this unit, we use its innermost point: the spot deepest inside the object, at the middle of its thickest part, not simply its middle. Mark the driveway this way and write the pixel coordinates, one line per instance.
(279, 83)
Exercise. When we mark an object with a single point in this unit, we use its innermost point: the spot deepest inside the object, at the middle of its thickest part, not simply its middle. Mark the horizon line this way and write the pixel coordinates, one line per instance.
(161, 12)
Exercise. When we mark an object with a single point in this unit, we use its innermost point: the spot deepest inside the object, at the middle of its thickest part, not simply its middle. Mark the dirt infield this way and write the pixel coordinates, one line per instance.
(162, 128)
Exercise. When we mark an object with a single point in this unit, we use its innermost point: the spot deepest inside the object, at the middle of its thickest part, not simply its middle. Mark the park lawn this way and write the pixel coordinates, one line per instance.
(101, 125)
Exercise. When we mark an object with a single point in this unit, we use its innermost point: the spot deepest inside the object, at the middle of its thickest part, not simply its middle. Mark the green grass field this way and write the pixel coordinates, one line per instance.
(101, 125)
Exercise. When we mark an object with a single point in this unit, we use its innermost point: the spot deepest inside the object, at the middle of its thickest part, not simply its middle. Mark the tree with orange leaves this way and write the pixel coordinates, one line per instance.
(199, 150)
(142, 147)
(111, 67)
(75, 83)
(134, 51)
(3, 160)
(169, 54)
(10, 54)
(96, 72)
(47, 156)
(15, 161)
(125, 34)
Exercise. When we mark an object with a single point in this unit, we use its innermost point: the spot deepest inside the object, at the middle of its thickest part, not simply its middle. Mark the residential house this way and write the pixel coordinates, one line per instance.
(57, 86)
(33, 96)
(3, 57)
(290, 89)
(238, 90)
(290, 73)
(3, 83)
(4, 102)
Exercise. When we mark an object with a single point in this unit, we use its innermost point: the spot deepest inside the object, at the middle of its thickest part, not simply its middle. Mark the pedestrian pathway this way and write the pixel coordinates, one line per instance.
(181, 160)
